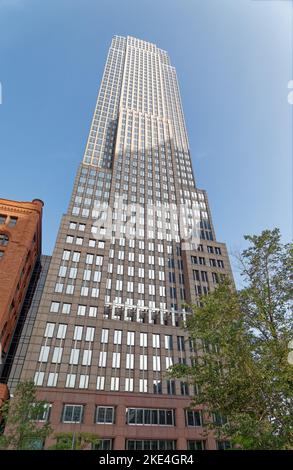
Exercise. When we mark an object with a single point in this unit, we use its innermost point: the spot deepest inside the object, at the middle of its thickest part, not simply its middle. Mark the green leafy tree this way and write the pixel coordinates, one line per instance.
(241, 367)
(21, 415)
(75, 441)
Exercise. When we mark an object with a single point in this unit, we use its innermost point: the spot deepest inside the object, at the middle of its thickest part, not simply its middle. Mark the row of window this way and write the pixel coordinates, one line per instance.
(87, 333)
(8, 220)
(134, 416)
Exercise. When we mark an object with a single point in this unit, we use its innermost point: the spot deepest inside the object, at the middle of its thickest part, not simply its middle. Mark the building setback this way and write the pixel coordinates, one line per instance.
(110, 319)
(20, 249)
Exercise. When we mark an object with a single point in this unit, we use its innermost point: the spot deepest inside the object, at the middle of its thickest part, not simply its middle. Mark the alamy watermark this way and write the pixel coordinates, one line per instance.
(183, 223)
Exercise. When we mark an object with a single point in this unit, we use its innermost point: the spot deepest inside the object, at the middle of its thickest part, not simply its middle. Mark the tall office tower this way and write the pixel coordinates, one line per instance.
(110, 319)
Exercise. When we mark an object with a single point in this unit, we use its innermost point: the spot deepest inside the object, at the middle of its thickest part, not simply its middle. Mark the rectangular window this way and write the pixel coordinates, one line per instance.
(156, 341)
(102, 359)
(57, 355)
(74, 356)
(114, 385)
(90, 333)
(168, 342)
(105, 415)
(130, 338)
(105, 336)
(44, 354)
(117, 336)
(116, 360)
(81, 310)
(129, 361)
(72, 414)
(180, 343)
(87, 357)
(77, 335)
(193, 418)
(52, 379)
(143, 385)
(150, 417)
(61, 333)
(54, 307)
(100, 383)
(128, 384)
(143, 340)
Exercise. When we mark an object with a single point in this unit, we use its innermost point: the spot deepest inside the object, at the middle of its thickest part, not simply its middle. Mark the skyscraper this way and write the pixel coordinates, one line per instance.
(136, 244)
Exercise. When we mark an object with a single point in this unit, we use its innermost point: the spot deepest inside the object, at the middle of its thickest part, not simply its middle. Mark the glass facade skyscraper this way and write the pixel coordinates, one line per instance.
(136, 244)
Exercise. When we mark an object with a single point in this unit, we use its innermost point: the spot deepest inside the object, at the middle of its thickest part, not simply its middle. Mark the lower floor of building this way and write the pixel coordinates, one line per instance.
(128, 421)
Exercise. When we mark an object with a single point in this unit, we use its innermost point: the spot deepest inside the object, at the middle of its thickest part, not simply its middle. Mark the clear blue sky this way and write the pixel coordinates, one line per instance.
(233, 59)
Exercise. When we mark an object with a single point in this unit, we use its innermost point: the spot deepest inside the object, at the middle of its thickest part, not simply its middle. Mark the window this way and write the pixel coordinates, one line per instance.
(44, 414)
(156, 363)
(49, 331)
(143, 385)
(104, 336)
(102, 358)
(150, 417)
(168, 342)
(78, 333)
(193, 418)
(54, 307)
(105, 415)
(143, 340)
(184, 389)
(87, 357)
(1, 254)
(156, 341)
(3, 239)
(81, 310)
(103, 444)
(93, 311)
(129, 361)
(130, 338)
(100, 383)
(76, 256)
(72, 414)
(52, 379)
(39, 378)
(2, 219)
(143, 362)
(66, 308)
(117, 336)
(128, 384)
(74, 356)
(171, 388)
(219, 419)
(150, 445)
(114, 384)
(180, 343)
(44, 354)
(90, 333)
(61, 333)
(195, 445)
(223, 445)
(89, 259)
(57, 355)
(157, 387)
(66, 255)
(169, 362)
(83, 381)
(12, 221)
(116, 360)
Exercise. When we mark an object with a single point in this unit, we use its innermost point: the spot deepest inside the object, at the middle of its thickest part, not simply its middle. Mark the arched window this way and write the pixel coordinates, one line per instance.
(3, 239)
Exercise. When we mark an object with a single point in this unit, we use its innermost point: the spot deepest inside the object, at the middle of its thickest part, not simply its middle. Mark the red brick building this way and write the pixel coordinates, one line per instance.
(20, 248)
